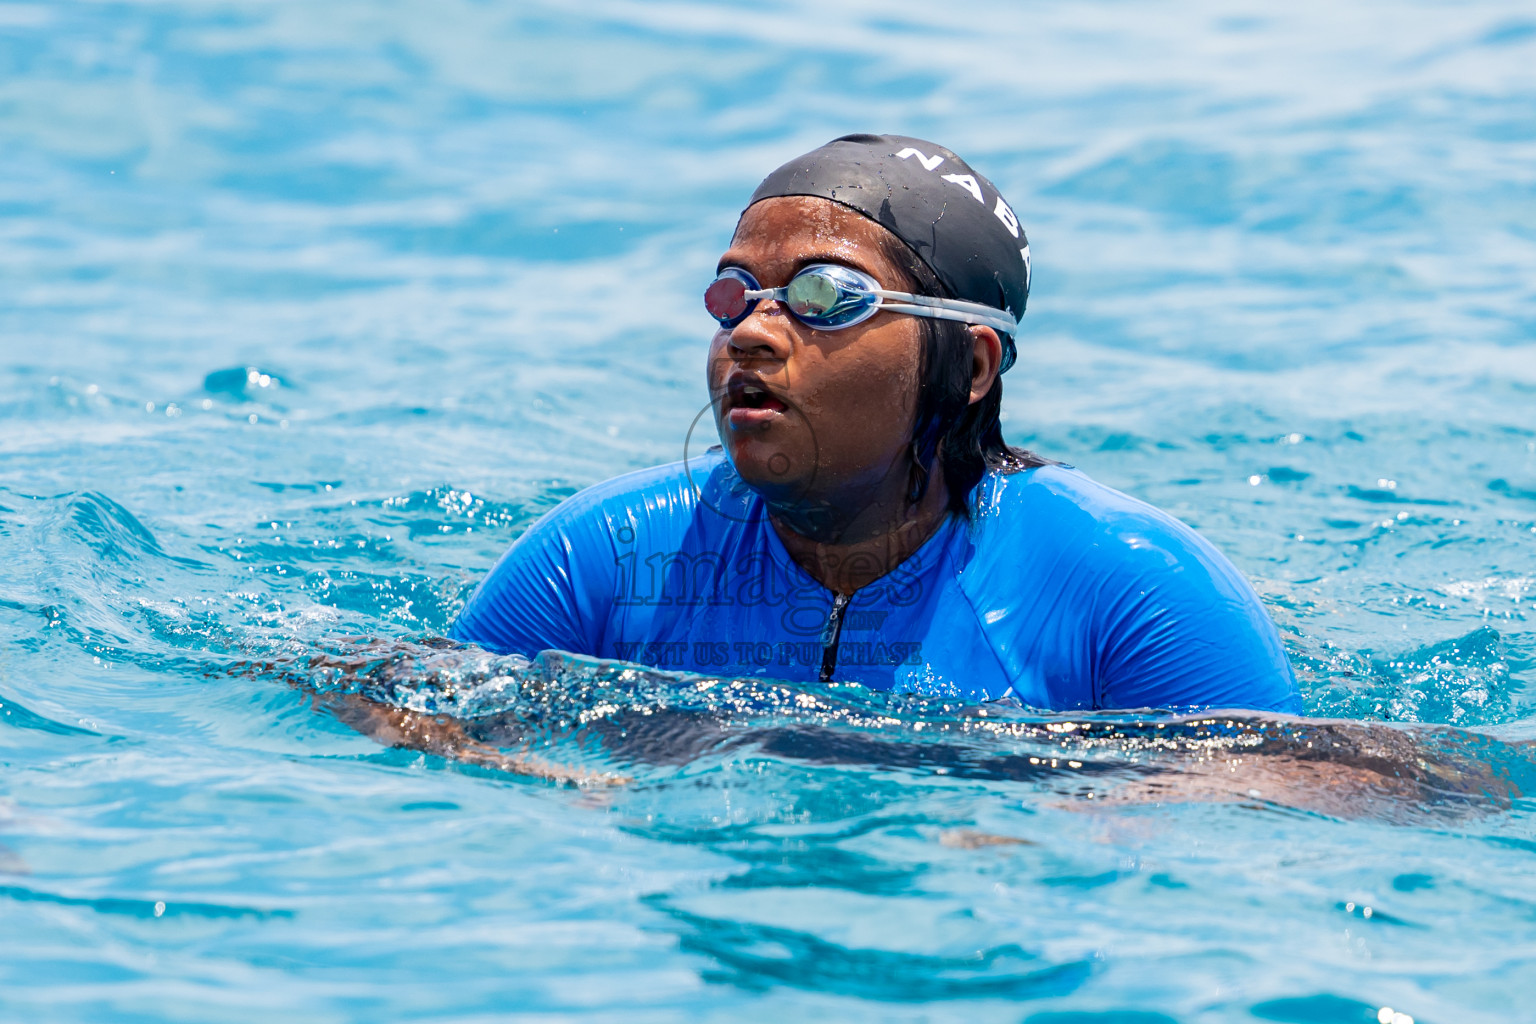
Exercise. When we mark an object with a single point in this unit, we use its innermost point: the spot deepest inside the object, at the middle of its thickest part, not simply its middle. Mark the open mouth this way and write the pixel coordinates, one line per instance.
(749, 402)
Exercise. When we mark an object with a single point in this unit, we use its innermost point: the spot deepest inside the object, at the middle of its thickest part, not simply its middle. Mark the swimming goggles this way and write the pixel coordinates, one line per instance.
(829, 297)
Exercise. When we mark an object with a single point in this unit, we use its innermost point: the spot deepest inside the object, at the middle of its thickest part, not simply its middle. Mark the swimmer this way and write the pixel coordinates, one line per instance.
(862, 519)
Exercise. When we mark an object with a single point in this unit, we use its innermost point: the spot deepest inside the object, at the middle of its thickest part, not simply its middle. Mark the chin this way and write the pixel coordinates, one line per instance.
(774, 463)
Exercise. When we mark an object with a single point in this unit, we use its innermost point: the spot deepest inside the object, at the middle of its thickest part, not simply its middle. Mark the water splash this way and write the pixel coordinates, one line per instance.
(586, 719)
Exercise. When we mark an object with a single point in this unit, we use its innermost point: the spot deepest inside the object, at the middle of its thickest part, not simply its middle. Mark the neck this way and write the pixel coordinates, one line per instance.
(848, 542)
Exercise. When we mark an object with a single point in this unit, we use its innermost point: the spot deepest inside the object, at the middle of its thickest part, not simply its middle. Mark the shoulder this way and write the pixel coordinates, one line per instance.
(554, 586)
(667, 485)
(669, 507)
(1109, 529)
(672, 491)
(1164, 618)
(1060, 490)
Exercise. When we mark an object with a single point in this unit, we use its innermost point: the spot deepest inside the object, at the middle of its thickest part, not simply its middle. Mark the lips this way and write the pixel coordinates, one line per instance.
(749, 403)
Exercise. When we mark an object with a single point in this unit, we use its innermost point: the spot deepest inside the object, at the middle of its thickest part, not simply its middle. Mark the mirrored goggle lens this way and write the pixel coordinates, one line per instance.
(812, 295)
(820, 299)
(726, 299)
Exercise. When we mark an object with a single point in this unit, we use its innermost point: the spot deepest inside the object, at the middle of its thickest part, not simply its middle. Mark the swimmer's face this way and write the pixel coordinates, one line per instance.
(811, 416)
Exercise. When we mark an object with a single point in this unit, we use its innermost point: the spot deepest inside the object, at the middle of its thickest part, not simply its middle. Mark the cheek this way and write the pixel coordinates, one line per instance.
(878, 373)
(870, 390)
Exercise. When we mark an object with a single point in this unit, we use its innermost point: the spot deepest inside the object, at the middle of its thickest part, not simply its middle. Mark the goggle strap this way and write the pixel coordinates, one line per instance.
(978, 308)
(996, 321)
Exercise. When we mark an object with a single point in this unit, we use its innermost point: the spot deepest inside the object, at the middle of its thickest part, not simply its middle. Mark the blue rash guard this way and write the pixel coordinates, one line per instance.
(1059, 592)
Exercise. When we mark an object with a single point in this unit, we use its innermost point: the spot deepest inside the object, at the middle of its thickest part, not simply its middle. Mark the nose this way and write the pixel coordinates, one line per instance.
(766, 333)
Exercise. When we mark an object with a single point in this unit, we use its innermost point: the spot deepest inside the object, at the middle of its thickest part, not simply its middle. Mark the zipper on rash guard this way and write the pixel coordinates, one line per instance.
(830, 634)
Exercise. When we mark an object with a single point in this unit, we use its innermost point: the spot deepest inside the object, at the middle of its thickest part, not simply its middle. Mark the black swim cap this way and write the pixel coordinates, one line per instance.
(953, 218)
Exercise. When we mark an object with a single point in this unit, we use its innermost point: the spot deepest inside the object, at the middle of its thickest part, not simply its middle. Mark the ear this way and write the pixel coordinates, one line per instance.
(986, 359)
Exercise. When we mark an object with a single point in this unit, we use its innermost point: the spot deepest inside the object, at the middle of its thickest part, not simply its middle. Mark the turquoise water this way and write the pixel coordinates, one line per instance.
(307, 310)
